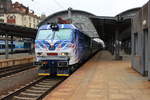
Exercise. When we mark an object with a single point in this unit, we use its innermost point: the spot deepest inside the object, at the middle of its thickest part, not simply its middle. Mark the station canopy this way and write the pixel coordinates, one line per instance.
(106, 26)
(18, 31)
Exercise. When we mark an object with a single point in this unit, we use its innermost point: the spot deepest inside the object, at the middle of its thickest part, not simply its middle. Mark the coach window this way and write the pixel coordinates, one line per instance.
(81, 36)
(74, 35)
(9, 46)
(13, 46)
(80, 39)
(3, 46)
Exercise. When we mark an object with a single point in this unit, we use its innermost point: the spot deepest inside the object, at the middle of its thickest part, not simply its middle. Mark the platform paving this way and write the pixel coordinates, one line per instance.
(18, 55)
(103, 80)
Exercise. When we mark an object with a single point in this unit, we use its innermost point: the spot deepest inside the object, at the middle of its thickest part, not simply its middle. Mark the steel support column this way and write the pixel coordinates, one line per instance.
(32, 46)
(117, 45)
(6, 46)
(12, 44)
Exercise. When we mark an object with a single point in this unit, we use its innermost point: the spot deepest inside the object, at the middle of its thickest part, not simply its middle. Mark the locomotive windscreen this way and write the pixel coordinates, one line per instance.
(62, 34)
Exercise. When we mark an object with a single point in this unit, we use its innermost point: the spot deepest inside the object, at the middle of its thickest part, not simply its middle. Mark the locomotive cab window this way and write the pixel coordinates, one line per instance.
(62, 34)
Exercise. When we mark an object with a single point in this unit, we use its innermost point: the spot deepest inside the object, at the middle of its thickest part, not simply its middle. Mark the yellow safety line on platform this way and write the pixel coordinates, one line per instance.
(62, 74)
(43, 74)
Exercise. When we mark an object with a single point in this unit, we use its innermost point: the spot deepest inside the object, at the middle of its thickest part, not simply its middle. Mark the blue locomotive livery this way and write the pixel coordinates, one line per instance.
(59, 48)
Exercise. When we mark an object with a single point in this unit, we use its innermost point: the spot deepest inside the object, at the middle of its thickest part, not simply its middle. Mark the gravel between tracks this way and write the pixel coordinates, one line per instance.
(16, 80)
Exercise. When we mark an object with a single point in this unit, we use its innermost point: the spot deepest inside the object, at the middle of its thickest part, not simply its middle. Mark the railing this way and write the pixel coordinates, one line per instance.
(17, 61)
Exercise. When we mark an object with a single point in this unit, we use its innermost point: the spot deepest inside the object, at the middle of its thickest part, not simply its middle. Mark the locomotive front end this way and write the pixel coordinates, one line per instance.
(54, 48)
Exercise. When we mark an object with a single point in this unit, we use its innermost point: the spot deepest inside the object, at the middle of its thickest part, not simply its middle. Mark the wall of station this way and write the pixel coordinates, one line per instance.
(141, 41)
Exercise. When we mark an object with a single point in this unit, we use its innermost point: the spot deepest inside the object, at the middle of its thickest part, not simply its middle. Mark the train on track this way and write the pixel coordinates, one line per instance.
(17, 46)
(60, 48)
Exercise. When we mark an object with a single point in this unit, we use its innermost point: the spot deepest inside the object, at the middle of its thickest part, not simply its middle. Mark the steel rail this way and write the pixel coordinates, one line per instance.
(36, 90)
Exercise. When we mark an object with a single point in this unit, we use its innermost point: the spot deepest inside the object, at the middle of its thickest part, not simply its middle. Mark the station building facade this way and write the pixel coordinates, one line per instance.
(140, 38)
(18, 14)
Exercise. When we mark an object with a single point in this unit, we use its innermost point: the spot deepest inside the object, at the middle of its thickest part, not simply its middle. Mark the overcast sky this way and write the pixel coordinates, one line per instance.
(97, 7)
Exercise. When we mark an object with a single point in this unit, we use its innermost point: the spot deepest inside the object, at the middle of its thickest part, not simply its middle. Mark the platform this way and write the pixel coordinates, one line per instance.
(99, 79)
(17, 55)
(16, 59)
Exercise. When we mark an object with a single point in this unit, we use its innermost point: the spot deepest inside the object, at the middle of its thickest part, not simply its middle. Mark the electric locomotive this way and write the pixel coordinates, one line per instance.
(59, 48)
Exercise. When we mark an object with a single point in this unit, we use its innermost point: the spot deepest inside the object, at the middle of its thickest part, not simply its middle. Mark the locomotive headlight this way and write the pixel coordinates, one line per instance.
(64, 54)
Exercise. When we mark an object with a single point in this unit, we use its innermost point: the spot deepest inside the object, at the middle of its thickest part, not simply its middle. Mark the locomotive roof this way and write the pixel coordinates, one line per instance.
(61, 26)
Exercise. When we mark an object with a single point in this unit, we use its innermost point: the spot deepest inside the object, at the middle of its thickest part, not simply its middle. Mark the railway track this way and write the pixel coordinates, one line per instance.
(14, 69)
(35, 90)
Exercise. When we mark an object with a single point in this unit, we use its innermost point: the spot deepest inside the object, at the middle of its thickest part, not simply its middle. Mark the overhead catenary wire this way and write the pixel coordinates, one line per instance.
(52, 8)
(56, 2)
(59, 4)
(68, 3)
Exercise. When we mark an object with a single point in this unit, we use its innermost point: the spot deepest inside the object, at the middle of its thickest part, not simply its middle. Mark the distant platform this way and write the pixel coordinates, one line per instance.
(100, 79)
(17, 55)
